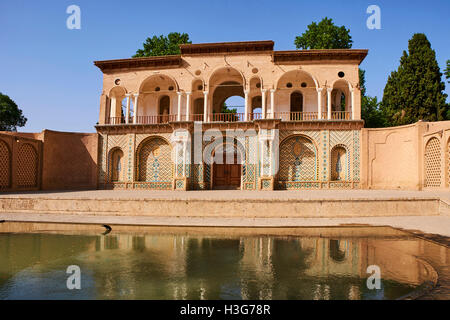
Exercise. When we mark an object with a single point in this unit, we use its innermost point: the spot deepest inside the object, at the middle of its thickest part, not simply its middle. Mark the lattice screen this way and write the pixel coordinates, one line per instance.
(155, 161)
(433, 163)
(448, 163)
(5, 165)
(27, 166)
(298, 160)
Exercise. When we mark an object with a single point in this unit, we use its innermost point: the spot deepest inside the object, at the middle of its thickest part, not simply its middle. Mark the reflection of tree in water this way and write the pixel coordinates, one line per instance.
(211, 267)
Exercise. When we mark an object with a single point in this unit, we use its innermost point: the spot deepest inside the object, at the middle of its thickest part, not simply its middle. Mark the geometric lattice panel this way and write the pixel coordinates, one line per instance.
(27, 166)
(448, 163)
(433, 160)
(298, 160)
(155, 161)
(5, 165)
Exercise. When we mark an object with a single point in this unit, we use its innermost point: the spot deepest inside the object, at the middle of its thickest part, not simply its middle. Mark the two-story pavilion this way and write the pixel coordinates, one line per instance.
(301, 118)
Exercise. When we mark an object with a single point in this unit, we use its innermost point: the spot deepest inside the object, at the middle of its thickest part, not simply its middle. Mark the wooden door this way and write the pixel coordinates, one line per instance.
(227, 175)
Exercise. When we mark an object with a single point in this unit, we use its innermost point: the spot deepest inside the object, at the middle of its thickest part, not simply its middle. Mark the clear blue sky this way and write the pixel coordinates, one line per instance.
(47, 69)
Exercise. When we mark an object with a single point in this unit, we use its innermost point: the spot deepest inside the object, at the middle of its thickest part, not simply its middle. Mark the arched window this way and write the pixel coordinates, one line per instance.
(5, 165)
(433, 160)
(164, 109)
(296, 105)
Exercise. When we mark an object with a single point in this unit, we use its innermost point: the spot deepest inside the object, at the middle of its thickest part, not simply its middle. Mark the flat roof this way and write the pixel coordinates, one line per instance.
(242, 47)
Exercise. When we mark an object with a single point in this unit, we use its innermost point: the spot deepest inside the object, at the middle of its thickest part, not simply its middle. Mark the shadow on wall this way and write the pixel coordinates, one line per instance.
(49, 160)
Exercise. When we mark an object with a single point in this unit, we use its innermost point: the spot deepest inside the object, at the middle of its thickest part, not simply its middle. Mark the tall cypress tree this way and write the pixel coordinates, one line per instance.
(415, 91)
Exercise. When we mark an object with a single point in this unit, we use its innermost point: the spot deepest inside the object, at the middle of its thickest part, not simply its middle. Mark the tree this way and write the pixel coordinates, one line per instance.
(10, 115)
(415, 91)
(162, 45)
(370, 107)
(447, 71)
(324, 35)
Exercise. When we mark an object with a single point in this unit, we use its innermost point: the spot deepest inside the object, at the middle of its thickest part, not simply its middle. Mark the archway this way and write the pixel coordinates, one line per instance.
(117, 105)
(116, 165)
(296, 106)
(164, 109)
(298, 161)
(339, 163)
(433, 163)
(227, 166)
(154, 162)
(340, 100)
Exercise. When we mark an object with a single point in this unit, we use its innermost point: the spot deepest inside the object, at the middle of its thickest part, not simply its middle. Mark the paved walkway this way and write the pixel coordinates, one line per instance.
(231, 194)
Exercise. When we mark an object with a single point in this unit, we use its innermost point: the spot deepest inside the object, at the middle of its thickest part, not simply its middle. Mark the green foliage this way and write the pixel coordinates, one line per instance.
(162, 45)
(447, 71)
(370, 107)
(225, 109)
(415, 91)
(10, 115)
(324, 35)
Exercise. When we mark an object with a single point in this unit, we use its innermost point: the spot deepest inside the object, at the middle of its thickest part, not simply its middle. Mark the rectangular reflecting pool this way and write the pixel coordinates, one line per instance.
(37, 261)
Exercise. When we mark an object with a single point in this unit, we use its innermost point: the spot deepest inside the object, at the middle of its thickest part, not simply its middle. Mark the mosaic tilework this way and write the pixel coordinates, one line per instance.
(356, 157)
(103, 144)
(325, 151)
(5, 165)
(298, 160)
(433, 163)
(155, 161)
(27, 166)
(340, 163)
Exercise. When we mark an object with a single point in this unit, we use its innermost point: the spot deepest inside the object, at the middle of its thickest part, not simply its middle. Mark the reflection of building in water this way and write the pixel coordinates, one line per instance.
(253, 267)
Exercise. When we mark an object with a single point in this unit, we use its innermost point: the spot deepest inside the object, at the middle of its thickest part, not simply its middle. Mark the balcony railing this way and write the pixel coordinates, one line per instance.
(234, 117)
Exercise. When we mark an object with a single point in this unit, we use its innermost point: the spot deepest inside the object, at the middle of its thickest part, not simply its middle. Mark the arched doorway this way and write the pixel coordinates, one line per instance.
(164, 109)
(296, 105)
(5, 165)
(27, 166)
(227, 167)
(154, 162)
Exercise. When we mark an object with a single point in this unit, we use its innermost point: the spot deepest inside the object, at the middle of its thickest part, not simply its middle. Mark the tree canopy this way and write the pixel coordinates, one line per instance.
(163, 45)
(370, 107)
(415, 91)
(447, 71)
(324, 35)
(10, 115)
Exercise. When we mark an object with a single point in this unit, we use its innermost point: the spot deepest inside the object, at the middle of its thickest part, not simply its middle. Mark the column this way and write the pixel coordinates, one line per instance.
(319, 103)
(263, 105)
(135, 115)
(272, 103)
(113, 112)
(188, 101)
(352, 92)
(127, 115)
(246, 106)
(179, 106)
(329, 102)
(205, 106)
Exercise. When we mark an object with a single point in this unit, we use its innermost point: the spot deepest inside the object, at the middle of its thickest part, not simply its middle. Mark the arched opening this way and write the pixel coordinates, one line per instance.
(296, 105)
(27, 166)
(116, 165)
(164, 109)
(340, 102)
(433, 156)
(298, 162)
(5, 166)
(154, 162)
(225, 83)
(157, 95)
(337, 250)
(199, 104)
(256, 107)
(227, 166)
(296, 92)
(117, 105)
(339, 163)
